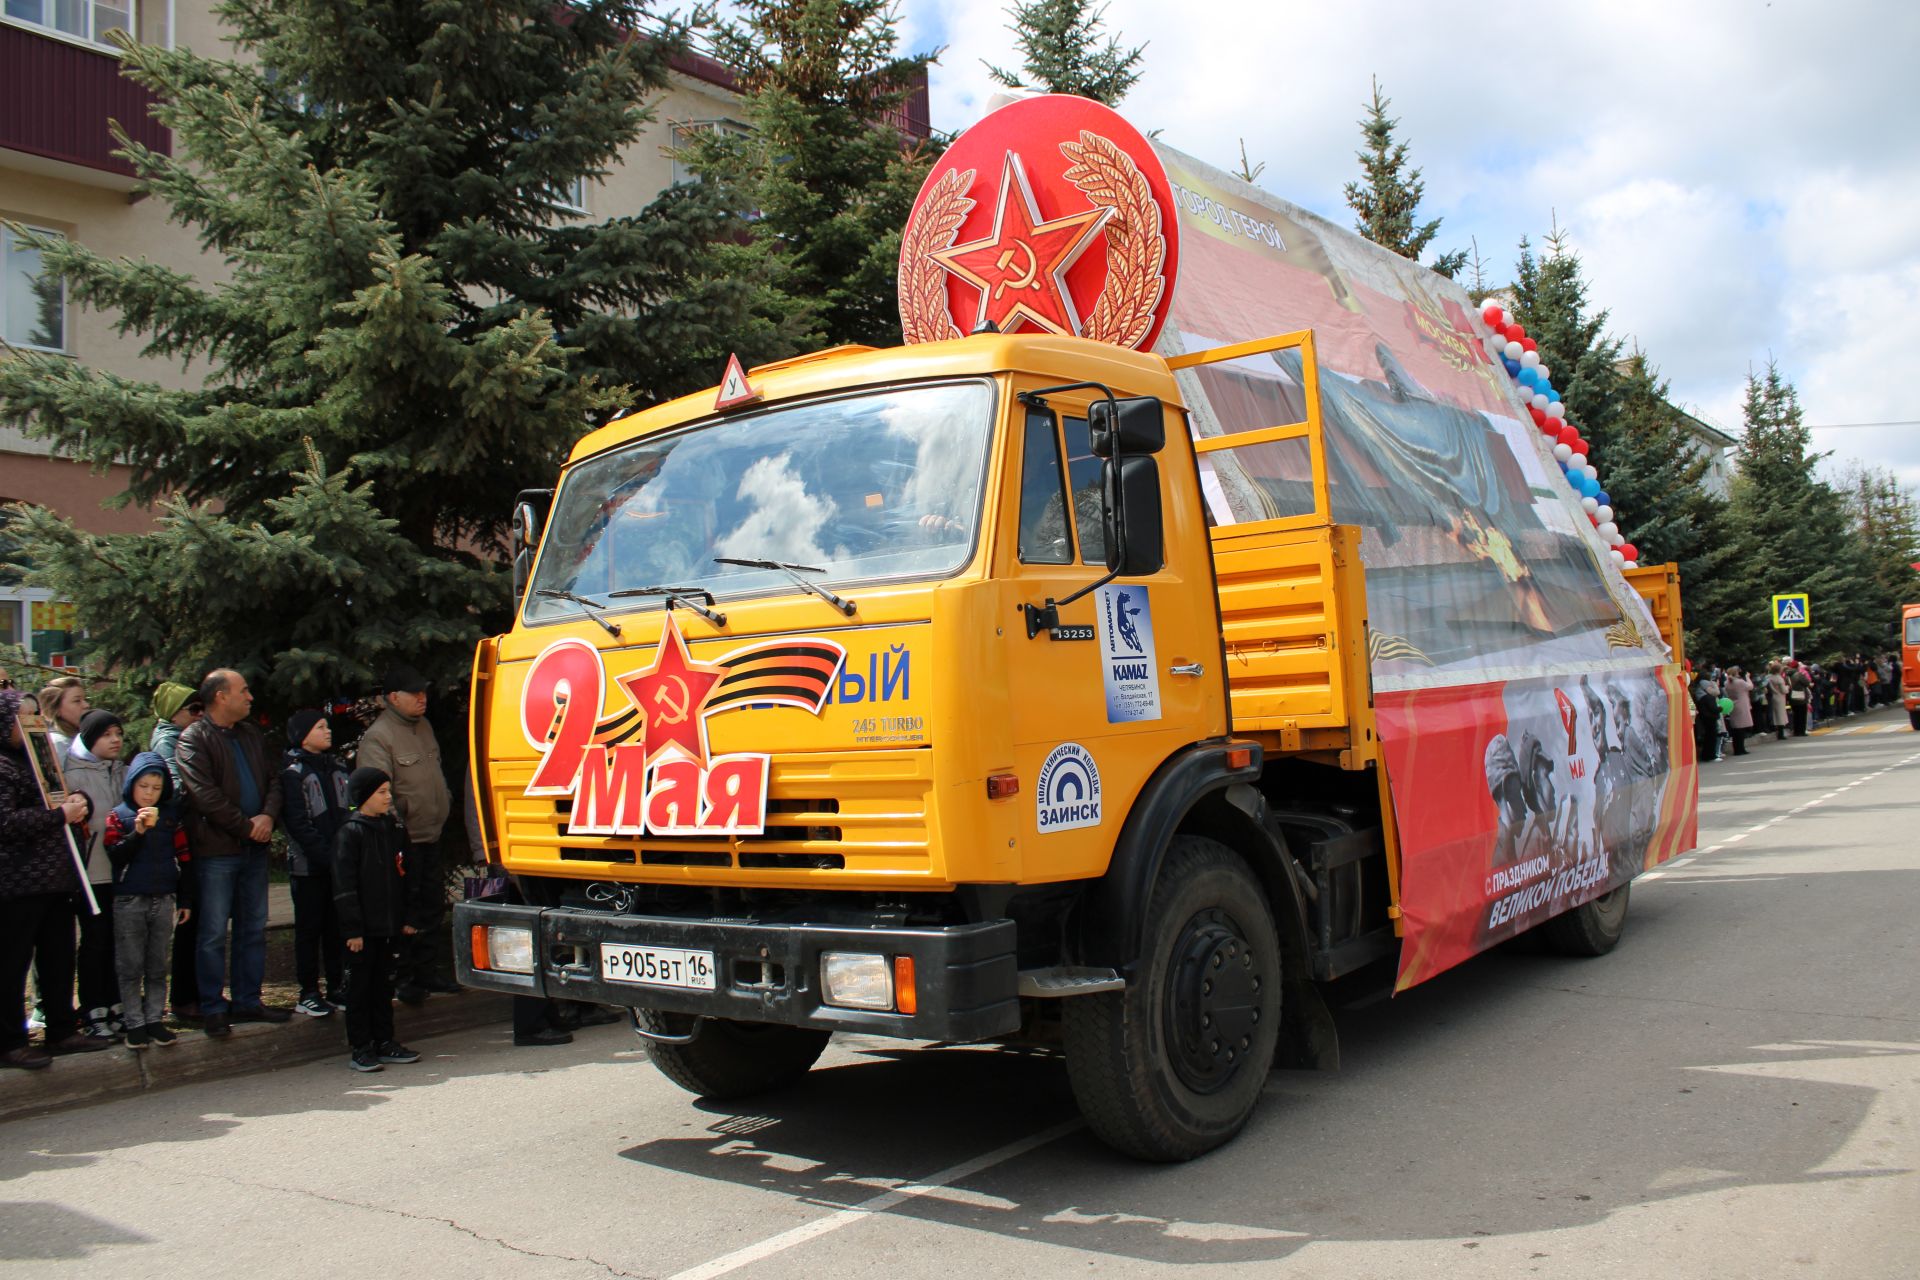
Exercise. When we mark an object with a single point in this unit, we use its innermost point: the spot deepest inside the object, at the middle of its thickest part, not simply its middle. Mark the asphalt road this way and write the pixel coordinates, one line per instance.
(1734, 1092)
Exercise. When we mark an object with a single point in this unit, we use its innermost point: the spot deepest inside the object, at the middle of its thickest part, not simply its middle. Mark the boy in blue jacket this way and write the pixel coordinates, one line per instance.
(313, 791)
(152, 892)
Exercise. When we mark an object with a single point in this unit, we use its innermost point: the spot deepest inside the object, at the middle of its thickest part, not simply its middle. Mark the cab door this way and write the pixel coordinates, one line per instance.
(1131, 672)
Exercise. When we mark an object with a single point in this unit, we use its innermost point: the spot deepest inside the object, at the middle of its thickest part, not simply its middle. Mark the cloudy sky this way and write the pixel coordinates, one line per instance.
(1740, 179)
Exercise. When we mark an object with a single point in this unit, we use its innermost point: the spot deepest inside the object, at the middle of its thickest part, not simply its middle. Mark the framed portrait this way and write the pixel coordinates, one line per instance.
(36, 733)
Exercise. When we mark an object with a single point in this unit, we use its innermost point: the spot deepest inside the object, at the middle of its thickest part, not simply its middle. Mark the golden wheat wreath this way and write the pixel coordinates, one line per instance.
(1136, 249)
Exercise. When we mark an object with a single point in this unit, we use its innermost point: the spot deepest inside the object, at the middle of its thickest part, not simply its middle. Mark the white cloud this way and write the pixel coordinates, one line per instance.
(1739, 178)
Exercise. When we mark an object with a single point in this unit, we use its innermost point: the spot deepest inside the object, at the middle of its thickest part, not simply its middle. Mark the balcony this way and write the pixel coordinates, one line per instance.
(56, 98)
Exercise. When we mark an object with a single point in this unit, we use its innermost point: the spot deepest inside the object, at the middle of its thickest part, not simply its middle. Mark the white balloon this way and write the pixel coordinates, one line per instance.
(1578, 462)
(1590, 505)
(1593, 472)
(1563, 452)
(1628, 564)
(1608, 528)
(1515, 351)
(1616, 539)
(1557, 410)
(1618, 558)
(1604, 512)
(1529, 359)
(1545, 374)
(1540, 400)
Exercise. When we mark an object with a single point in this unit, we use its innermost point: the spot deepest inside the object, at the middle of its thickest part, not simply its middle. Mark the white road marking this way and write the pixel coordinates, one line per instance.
(806, 1231)
(1738, 836)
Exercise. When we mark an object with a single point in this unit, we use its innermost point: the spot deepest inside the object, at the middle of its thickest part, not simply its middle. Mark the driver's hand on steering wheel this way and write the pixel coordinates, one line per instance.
(940, 524)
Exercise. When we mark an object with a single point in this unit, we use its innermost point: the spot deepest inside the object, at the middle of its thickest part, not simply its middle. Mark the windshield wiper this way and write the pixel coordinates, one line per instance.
(682, 596)
(794, 571)
(593, 607)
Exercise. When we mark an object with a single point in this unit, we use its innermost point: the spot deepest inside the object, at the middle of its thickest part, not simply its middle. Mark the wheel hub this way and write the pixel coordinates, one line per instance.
(1213, 1001)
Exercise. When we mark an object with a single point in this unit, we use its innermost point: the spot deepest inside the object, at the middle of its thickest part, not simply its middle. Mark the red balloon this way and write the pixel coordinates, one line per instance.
(1580, 445)
(1628, 550)
(1568, 435)
(1518, 333)
(1528, 344)
(1493, 315)
(1593, 519)
(1540, 418)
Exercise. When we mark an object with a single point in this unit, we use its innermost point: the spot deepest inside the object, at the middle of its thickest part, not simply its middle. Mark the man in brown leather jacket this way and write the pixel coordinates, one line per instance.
(400, 743)
(232, 792)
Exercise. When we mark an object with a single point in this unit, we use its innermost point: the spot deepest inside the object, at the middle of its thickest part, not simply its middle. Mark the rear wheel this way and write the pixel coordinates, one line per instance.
(1172, 1066)
(1590, 929)
(1914, 717)
(730, 1059)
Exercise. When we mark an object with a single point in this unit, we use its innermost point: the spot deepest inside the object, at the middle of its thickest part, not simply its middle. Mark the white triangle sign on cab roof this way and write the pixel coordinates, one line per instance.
(734, 387)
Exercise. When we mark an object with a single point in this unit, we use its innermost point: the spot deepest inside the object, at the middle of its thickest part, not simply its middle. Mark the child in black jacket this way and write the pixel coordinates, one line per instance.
(152, 892)
(313, 790)
(378, 904)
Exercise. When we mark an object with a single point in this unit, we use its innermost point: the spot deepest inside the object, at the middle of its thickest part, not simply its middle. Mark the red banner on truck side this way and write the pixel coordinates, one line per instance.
(1521, 800)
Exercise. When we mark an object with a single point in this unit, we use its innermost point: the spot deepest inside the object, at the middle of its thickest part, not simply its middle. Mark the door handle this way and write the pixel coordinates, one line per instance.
(1187, 669)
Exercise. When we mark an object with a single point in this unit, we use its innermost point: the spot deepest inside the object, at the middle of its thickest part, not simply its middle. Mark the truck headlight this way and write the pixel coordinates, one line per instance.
(503, 947)
(856, 980)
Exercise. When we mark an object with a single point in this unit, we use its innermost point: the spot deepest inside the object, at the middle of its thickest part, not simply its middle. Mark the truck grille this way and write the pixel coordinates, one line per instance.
(851, 812)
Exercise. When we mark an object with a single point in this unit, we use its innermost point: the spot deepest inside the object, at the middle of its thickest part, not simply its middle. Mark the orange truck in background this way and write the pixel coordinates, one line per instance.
(1910, 661)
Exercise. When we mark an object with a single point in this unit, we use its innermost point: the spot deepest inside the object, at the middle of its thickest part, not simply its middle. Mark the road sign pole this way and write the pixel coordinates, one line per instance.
(1789, 645)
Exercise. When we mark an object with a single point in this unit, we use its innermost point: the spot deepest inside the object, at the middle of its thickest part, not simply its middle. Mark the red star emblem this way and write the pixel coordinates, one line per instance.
(672, 694)
(1021, 268)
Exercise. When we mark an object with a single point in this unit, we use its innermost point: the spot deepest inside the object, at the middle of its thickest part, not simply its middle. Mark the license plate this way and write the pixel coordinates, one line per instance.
(657, 966)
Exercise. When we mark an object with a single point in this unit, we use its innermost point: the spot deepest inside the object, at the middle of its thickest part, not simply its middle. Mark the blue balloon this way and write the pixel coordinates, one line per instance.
(1513, 367)
(1529, 377)
(1601, 496)
(1553, 395)
(1589, 487)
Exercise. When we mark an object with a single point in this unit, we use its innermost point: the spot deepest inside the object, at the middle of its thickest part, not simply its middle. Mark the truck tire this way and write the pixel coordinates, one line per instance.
(1913, 717)
(1172, 1066)
(1590, 929)
(731, 1059)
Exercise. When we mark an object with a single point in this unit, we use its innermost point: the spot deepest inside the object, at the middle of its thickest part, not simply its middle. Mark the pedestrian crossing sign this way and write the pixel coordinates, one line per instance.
(1790, 611)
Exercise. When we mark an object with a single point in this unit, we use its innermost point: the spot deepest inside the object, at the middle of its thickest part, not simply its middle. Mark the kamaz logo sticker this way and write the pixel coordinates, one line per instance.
(1068, 793)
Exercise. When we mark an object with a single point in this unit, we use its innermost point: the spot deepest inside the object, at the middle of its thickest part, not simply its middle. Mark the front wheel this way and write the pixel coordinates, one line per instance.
(1172, 1066)
(1590, 929)
(1914, 717)
(730, 1059)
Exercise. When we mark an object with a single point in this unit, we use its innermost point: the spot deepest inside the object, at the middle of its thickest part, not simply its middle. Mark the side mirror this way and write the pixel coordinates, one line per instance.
(1131, 516)
(1127, 428)
(526, 526)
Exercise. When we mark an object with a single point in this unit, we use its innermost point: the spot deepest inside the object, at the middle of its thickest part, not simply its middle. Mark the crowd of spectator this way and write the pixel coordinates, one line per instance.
(1791, 696)
(144, 893)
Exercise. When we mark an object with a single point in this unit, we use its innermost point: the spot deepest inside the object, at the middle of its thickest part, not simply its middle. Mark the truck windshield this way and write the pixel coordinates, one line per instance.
(1913, 628)
(884, 485)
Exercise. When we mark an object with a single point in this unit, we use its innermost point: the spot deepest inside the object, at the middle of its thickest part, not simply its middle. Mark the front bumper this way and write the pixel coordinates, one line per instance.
(966, 975)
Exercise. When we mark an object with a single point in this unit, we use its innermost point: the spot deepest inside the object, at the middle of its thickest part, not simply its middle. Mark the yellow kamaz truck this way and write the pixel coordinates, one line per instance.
(1026, 687)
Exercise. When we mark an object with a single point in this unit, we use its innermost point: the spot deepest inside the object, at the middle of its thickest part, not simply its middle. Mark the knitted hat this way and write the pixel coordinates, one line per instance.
(363, 782)
(169, 698)
(95, 723)
(301, 723)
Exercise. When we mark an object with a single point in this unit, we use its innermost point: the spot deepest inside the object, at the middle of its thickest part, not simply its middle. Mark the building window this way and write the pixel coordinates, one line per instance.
(570, 197)
(685, 133)
(33, 303)
(88, 20)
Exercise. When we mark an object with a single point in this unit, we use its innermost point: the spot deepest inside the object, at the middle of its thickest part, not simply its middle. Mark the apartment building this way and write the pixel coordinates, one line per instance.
(60, 85)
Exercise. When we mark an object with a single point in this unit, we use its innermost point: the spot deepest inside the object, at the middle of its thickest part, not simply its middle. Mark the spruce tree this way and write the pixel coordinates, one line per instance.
(1064, 48)
(1791, 532)
(830, 180)
(1886, 518)
(1387, 203)
(401, 300)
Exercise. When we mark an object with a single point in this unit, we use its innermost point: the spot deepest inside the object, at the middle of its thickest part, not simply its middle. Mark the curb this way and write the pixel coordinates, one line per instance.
(80, 1079)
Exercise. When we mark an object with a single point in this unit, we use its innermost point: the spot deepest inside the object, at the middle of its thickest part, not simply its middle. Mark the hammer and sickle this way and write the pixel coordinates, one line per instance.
(1028, 274)
(675, 713)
